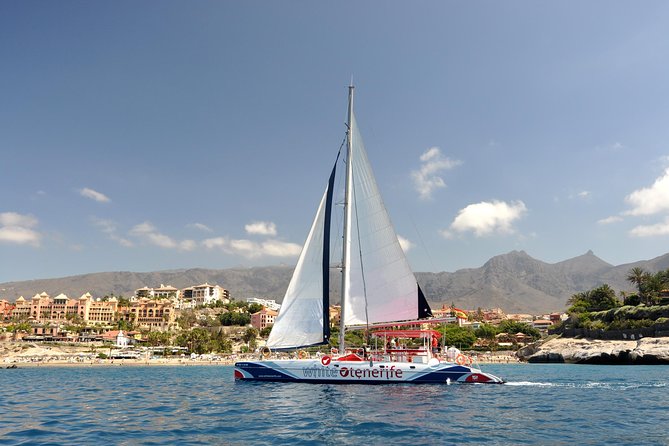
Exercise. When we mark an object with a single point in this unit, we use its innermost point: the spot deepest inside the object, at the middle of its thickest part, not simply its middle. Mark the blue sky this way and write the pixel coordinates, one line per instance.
(153, 135)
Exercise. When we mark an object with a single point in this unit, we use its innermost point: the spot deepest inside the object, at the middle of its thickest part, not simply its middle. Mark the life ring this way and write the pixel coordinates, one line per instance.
(460, 360)
(301, 354)
(334, 351)
(265, 352)
(325, 360)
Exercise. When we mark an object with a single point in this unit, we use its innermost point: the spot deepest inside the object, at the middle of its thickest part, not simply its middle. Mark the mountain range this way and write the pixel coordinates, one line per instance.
(514, 282)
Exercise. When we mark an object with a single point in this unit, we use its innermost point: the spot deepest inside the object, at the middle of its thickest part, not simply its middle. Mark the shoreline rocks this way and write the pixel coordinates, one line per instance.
(645, 351)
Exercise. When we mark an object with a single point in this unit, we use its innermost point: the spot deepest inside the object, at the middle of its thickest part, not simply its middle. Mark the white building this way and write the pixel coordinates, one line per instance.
(204, 294)
(162, 292)
(267, 303)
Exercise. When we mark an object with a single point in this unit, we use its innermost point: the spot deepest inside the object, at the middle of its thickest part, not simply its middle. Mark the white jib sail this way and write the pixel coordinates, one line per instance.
(300, 320)
(381, 285)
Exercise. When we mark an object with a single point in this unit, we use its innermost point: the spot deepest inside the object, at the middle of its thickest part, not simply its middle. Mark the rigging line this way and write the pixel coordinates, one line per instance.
(422, 243)
(362, 266)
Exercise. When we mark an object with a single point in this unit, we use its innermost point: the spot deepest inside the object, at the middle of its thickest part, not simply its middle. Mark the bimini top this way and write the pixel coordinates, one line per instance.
(412, 334)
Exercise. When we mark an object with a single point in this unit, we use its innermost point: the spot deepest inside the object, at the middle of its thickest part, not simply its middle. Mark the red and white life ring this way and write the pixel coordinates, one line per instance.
(460, 360)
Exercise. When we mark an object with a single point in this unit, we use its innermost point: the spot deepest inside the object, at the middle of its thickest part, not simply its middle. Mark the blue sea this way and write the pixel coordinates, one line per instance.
(201, 405)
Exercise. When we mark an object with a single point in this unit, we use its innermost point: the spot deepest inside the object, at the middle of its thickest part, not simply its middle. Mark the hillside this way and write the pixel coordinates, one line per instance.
(515, 282)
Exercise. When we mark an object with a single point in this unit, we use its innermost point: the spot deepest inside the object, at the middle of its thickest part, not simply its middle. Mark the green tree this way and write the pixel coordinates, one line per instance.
(220, 342)
(460, 337)
(187, 319)
(254, 308)
(250, 337)
(156, 338)
(597, 299)
(234, 318)
(513, 327)
(196, 340)
(486, 331)
(266, 331)
(636, 276)
(18, 327)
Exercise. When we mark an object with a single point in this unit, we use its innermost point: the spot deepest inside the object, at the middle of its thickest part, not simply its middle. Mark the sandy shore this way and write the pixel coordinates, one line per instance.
(115, 363)
(24, 354)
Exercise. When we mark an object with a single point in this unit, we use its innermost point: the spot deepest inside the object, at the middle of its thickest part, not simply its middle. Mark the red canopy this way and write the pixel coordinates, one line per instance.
(407, 333)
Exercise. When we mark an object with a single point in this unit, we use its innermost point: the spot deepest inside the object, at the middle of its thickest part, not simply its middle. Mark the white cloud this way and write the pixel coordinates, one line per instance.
(251, 249)
(187, 245)
(404, 243)
(651, 230)
(94, 195)
(216, 242)
(246, 248)
(15, 219)
(149, 234)
(277, 248)
(109, 227)
(486, 218)
(650, 200)
(261, 228)
(200, 227)
(584, 194)
(18, 229)
(609, 220)
(426, 179)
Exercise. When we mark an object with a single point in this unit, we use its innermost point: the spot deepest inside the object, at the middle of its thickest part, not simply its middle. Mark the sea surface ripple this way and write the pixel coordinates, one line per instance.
(202, 405)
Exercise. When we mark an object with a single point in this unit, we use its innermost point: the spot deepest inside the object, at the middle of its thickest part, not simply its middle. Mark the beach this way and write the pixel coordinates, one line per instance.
(32, 354)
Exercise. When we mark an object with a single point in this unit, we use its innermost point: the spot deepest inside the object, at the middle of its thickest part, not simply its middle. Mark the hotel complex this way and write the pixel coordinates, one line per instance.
(149, 308)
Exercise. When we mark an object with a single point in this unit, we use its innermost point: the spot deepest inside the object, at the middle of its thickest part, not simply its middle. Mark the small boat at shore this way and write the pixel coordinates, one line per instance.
(378, 289)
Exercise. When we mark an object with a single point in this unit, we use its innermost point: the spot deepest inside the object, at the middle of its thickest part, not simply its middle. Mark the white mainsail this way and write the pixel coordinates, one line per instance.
(381, 286)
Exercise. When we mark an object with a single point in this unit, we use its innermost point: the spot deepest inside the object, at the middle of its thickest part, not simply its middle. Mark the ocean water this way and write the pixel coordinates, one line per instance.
(200, 405)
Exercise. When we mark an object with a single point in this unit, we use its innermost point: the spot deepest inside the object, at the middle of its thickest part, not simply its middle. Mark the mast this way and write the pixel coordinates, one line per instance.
(348, 195)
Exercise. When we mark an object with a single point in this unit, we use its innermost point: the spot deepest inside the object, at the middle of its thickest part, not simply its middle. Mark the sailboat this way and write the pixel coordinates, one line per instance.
(378, 289)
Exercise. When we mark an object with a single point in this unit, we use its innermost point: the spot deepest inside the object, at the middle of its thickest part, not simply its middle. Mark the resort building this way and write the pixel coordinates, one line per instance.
(204, 294)
(6, 310)
(267, 303)
(43, 308)
(152, 314)
(542, 324)
(162, 292)
(263, 318)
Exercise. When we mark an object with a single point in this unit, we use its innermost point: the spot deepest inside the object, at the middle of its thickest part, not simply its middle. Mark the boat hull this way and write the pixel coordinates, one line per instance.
(360, 372)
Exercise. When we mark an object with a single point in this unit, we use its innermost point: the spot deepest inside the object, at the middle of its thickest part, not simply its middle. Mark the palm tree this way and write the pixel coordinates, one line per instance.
(637, 276)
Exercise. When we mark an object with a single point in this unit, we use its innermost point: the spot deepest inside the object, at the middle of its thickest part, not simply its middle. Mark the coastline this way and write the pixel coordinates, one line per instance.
(33, 355)
(596, 351)
(115, 363)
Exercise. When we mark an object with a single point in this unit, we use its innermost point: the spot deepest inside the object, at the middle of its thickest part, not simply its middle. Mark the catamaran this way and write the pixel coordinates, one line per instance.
(378, 289)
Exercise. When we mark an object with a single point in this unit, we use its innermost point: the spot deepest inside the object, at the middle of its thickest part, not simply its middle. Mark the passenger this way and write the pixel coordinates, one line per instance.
(435, 345)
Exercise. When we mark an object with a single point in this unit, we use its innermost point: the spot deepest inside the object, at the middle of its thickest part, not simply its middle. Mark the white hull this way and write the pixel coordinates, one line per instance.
(360, 372)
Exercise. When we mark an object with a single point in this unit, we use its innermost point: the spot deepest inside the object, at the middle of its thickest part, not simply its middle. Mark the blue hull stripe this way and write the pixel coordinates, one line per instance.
(259, 372)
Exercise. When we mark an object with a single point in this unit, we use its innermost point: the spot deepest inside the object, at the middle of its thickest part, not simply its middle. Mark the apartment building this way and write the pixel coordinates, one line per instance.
(263, 318)
(204, 294)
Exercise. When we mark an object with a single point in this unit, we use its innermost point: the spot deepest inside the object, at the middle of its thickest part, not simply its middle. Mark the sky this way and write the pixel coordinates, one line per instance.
(159, 135)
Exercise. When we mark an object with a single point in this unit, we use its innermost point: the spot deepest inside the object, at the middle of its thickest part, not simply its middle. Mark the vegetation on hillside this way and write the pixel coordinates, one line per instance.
(601, 309)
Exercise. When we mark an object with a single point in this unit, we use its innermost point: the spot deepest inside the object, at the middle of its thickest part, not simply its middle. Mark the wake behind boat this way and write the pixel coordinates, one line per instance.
(378, 287)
